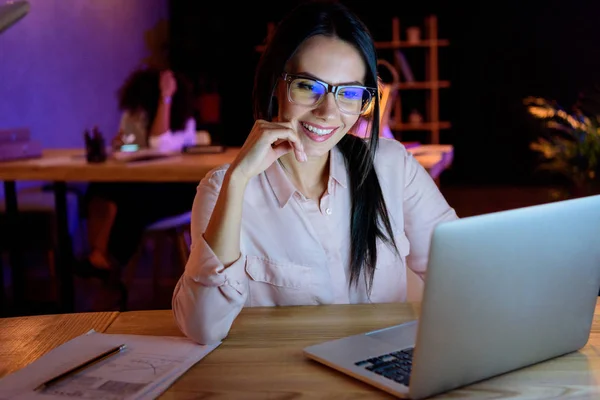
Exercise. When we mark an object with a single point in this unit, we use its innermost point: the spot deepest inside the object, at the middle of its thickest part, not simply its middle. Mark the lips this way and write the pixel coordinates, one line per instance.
(317, 133)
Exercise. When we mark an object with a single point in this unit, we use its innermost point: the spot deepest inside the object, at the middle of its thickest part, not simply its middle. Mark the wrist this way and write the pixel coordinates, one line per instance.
(166, 99)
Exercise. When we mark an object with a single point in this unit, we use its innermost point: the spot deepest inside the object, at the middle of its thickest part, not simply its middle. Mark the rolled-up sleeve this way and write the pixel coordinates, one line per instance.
(424, 208)
(208, 296)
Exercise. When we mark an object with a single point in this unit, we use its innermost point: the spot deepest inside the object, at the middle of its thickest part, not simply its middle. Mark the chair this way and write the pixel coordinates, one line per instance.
(389, 94)
(37, 212)
(171, 233)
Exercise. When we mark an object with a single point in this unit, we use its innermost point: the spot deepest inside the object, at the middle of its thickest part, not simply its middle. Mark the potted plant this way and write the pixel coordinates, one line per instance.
(570, 141)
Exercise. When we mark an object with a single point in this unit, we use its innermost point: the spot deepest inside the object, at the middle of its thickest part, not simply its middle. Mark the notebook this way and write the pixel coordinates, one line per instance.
(503, 291)
(144, 370)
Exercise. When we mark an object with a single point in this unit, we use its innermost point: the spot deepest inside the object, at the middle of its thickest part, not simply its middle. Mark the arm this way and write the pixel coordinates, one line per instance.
(162, 120)
(160, 135)
(424, 208)
(161, 123)
(213, 289)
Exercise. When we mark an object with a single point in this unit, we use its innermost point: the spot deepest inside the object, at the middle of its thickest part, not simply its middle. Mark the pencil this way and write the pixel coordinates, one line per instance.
(81, 366)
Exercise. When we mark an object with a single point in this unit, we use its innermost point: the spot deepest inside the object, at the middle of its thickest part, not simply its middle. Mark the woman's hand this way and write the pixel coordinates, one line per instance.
(266, 143)
(168, 84)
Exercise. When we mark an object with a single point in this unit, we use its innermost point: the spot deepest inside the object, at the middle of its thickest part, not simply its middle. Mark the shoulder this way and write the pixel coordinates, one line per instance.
(141, 114)
(130, 117)
(391, 152)
(395, 165)
(214, 178)
(126, 115)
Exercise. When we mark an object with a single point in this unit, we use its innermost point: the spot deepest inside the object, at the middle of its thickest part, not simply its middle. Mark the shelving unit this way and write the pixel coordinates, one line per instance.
(431, 44)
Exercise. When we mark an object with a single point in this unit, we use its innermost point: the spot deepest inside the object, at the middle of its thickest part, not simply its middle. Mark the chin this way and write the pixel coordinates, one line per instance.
(313, 149)
(317, 153)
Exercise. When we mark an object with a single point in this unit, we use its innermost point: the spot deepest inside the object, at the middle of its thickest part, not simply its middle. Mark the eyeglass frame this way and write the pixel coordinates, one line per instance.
(329, 88)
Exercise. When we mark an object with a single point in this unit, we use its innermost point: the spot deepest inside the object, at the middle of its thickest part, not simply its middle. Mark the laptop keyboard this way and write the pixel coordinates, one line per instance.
(395, 365)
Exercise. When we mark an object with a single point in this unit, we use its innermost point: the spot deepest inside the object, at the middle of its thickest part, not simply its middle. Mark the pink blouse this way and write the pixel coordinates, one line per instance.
(296, 251)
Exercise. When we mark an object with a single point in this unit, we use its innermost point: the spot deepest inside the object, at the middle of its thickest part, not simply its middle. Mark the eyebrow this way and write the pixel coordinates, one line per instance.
(309, 75)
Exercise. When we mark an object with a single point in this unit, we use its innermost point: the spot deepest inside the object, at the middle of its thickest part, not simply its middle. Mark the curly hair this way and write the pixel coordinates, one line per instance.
(141, 91)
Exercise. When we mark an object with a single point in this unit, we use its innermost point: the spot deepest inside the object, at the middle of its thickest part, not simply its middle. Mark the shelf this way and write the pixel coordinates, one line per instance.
(424, 85)
(423, 126)
(402, 44)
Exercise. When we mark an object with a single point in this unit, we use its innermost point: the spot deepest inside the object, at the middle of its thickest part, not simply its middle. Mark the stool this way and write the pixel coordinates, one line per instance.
(173, 230)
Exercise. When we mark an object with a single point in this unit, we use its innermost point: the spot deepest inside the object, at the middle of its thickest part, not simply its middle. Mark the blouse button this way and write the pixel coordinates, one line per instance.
(328, 211)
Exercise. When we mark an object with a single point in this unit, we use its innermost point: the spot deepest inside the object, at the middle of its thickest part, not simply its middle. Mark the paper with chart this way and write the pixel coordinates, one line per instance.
(145, 369)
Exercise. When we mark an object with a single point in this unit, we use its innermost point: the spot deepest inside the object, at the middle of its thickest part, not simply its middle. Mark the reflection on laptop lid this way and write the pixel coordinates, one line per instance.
(503, 291)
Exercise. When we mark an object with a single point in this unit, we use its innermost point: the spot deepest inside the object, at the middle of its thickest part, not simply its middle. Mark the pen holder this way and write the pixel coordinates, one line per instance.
(95, 147)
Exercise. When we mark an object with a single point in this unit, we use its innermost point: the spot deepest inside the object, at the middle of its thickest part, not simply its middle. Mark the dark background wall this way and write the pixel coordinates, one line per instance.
(500, 53)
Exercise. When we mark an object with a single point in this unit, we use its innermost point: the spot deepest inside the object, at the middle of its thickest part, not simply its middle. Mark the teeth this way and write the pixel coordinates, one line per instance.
(321, 132)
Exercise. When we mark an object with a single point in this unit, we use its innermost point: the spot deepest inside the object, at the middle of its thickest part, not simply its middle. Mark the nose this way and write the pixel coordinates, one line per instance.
(328, 108)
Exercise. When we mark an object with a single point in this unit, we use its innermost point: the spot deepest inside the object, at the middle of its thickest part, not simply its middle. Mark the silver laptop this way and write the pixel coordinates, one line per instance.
(503, 291)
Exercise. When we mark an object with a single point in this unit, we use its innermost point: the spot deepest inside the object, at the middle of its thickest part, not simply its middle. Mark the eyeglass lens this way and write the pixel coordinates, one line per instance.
(308, 92)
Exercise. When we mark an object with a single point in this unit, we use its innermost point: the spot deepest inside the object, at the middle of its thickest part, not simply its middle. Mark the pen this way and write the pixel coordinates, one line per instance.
(82, 366)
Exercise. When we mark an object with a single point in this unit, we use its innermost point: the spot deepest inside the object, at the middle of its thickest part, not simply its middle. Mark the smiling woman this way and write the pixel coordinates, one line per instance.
(308, 212)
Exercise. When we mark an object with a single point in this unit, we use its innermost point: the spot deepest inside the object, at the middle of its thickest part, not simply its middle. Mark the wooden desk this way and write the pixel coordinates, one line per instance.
(69, 165)
(25, 339)
(262, 357)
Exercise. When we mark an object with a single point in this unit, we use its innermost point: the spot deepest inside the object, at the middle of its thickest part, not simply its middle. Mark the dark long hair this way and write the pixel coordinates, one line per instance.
(370, 220)
(141, 91)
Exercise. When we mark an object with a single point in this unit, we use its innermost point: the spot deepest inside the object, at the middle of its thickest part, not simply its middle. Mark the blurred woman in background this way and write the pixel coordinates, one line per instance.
(157, 112)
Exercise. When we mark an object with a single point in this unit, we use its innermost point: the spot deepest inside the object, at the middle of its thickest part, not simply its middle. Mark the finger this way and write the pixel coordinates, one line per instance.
(282, 148)
(298, 146)
(289, 135)
(294, 144)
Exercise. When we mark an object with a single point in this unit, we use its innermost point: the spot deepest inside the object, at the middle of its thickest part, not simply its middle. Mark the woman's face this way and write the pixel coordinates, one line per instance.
(335, 62)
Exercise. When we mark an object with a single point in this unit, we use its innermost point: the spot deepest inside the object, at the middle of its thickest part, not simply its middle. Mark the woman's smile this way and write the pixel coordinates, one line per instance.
(317, 133)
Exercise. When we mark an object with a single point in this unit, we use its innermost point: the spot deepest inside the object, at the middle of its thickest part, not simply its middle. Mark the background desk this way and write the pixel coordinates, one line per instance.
(262, 357)
(69, 165)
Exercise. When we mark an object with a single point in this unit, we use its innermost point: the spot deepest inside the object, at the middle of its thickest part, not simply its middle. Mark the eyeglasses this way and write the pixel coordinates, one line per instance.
(310, 92)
